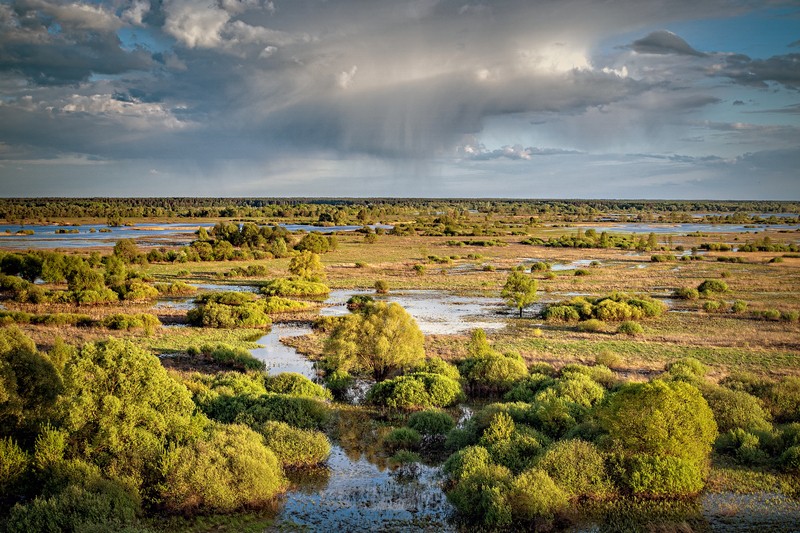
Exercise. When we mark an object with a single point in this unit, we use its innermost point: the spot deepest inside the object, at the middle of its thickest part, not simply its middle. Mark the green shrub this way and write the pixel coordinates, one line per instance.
(592, 325)
(663, 476)
(582, 272)
(714, 306)
(526, 390)
(561, 313)
(92, 505)
(431, 422)
(294, 287)
(687, 368)
(541, 367)
(123, 321)
(436, 365)
(630, 328)
(790, 459)
(276, 304)
(577, 467)
(739, 307)
(783, 400)
(403, 438)
(381, 286)
(712, 286)
(598, 373)
(218, 314)
(13, 465)
(419, 390)
(493, 371)
(541, 266)
(639, 415)
(297, 411)
(534, 494)
(232, 357)
(686, 293)
(295, 384)
(610, 359)
(295, 447)
(467, 461)
(575, 388)
(736, 409)
(743, 445)
(338, 383)
(481, 495)
(229, 470)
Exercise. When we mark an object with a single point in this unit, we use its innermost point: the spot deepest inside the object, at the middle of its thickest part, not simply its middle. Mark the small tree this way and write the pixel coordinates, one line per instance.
(307, 265)
(383, 339)
(519, 290)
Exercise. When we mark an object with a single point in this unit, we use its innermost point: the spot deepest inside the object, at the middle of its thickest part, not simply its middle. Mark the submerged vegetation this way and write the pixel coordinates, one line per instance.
(594, 376)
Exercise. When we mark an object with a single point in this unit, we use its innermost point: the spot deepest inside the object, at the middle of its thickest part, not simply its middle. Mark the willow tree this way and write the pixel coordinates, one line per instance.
(382, 339)
(519, 290)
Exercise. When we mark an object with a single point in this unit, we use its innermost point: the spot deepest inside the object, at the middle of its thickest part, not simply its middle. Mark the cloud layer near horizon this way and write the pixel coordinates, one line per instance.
(390, 98)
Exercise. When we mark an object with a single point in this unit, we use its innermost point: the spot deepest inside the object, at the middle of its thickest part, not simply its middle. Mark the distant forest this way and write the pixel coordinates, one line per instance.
(355, 210)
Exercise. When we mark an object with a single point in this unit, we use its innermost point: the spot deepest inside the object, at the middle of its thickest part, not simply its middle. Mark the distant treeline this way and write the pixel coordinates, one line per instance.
(366, 210)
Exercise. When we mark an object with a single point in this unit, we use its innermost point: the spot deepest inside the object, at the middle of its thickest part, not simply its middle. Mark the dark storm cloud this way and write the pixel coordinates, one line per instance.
(784, 69)
(664, 42)
(52, 43)
(238, 86)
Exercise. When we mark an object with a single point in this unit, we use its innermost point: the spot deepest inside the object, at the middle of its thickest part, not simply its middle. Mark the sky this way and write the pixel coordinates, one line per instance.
(672, 99)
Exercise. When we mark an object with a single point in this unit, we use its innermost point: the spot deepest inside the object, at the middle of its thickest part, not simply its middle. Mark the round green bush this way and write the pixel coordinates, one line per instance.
(534, 494)
(639, 416)
(714, 306)
(577, 467)
(13, 465)
(419, 390)
(466, 461)
(561, 313)
(93, 504)
(688, 368)
(592, 325)
(295, 447)
(736, 409)
(783, 399)
(526, 390)
(790, 459)
(712, 286)
(481, 496)
(739, 307)
(295, 384)
(229, 470)
(431, 422)
(403, 438)
(663, 476)
(436, 365)
(608, 358)
(630, 327)
(686, 293)
(575, 388)
(493, 371)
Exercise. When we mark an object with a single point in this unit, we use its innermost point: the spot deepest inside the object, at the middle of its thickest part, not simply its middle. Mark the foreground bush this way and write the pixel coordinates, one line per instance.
(664, 476)
(230, 470)
(94, 504)
(416, 391)
(295, 384)
(295, 447)
(431, 422)
(534, 494)
(577, 467)
(229, 356)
